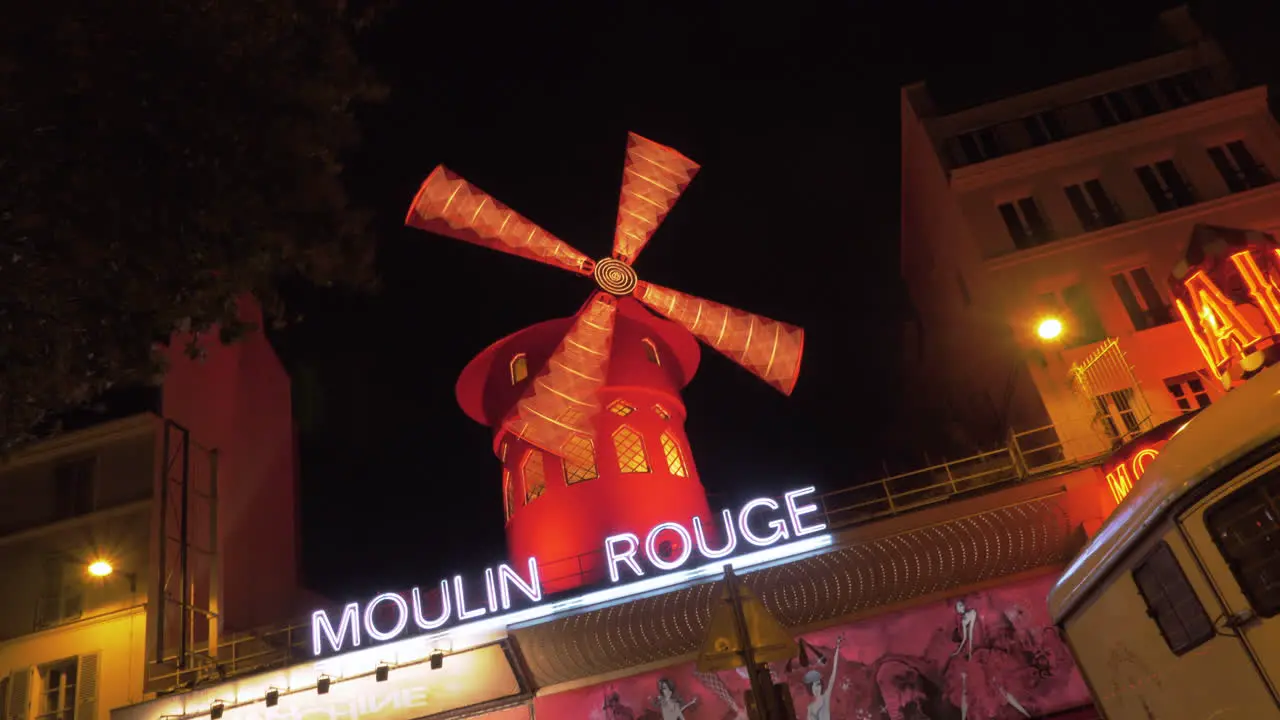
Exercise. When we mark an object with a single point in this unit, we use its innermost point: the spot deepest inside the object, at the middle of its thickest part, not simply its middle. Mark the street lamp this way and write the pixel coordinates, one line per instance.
(1049, 328)
(100, 568)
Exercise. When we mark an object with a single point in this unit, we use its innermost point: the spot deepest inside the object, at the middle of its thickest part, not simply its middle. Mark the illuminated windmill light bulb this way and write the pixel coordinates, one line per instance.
(1049, 328)
(100, 568)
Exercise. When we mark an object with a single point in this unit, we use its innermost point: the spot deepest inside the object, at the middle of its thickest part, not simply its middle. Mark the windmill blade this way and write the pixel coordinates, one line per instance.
(448, 205)
(652, 180)
(563, 400)
(769, 348)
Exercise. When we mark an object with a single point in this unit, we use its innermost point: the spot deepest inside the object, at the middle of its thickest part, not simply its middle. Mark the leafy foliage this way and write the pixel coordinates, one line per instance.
(161, 158)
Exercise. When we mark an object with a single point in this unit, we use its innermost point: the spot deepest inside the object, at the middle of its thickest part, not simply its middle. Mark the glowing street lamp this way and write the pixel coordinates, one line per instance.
(1050, 328)
(100, 568)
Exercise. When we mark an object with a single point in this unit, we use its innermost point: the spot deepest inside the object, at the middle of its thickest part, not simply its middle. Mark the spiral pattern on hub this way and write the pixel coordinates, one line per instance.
(615, 277)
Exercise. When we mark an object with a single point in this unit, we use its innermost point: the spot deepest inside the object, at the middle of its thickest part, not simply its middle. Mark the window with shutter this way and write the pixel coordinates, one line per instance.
(87, 688)
(18, 705)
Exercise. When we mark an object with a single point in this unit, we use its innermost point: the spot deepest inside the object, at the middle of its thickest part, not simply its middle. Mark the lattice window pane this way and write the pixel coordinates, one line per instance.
(630, 448)
(671, 449)
(620, 408)
(661, 412)
(519, 368)
(535, 477)
(579, 460)
(509, 494)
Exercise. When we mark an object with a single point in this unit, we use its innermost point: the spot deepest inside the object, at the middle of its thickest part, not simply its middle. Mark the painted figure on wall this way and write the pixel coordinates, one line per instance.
(820, 706)
(668, 703)
(992, 655)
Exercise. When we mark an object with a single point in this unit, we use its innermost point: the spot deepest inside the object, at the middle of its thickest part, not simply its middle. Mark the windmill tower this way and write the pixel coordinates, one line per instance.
(586, 412)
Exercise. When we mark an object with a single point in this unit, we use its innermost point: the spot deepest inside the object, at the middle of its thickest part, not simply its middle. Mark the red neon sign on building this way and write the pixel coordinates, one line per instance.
(1129, 462)
(1227, 292)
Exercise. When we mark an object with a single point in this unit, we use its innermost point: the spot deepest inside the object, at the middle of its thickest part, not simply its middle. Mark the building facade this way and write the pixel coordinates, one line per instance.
(1075, 204)
(128, 546)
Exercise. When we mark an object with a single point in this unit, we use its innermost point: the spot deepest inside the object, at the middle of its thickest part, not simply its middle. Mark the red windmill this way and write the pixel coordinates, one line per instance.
(586, 410)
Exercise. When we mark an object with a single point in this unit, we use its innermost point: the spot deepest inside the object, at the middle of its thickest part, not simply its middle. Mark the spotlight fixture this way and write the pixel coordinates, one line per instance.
(322, 684)
(215, 709)
(437, 659)
(381, 672)
(273, 697)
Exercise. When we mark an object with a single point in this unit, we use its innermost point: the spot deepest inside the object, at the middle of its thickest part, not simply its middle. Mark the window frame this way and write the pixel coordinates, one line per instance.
(519, 365)
(1193, 641)
(1254, 485)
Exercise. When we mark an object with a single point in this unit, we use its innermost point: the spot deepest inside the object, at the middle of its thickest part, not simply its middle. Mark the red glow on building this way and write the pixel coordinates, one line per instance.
(1128, 463)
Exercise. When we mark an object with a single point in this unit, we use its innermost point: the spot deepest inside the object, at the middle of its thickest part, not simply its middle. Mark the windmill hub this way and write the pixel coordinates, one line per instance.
(615, 277)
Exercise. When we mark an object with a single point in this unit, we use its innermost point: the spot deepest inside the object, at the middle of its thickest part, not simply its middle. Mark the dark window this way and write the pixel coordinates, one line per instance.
(1093, 206)
(1088, 326)
(1120, 106)
(1117, 406)
(1026, 225)
(1165, 186)
(1141, 299)
(980, 145)
(1187, 389)
(1146, 100)
(1238, 167)
(1179, 90)
(1244, 526)
(1172, 602)
(73, 488)
(1103, 111)
(1043, 128)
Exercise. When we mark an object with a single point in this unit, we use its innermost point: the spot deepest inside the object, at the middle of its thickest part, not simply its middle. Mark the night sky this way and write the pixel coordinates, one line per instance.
(792, 111)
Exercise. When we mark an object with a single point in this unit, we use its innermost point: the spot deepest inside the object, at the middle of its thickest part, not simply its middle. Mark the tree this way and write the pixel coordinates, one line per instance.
(159, 159)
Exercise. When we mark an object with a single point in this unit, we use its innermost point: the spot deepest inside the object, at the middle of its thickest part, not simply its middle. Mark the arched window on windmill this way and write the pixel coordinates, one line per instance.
(579, 460)
(534, 476)
(671, 451)
(630, 448)
(651, 351)
(519, 368)
(509, 494)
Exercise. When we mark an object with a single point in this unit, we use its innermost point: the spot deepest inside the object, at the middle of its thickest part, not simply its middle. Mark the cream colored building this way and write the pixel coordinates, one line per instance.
(1075, 202)
(196, 543)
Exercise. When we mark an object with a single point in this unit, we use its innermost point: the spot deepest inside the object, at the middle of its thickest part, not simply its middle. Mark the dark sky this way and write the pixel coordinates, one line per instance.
(792, 110)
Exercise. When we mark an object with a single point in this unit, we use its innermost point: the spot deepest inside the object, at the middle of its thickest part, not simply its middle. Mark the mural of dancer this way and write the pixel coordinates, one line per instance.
(991, 655)
(668, 703)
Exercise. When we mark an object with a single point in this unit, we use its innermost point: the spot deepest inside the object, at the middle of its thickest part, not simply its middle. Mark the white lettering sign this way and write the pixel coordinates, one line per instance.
(666, 547)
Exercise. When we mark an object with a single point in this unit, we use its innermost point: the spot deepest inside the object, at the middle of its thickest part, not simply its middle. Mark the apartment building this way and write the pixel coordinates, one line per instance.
(1072, 205)
(128, 545)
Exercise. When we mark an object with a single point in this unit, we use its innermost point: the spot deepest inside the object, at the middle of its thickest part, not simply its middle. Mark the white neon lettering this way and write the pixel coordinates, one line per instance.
(651, 546)
(490, 592)
(794, 512)
(729, 546)
(401, 606)
(463, 613)
(320, 623)
(531, 590)
(779, 527)
(436, 622)
(613, 557)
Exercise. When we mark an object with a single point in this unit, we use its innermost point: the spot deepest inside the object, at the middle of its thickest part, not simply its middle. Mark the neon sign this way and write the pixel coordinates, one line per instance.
(1230, 303)
(389, 616)
(1122, 477)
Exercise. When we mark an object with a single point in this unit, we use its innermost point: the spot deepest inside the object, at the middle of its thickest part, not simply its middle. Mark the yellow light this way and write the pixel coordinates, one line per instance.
(100, 568)
(1049, 328)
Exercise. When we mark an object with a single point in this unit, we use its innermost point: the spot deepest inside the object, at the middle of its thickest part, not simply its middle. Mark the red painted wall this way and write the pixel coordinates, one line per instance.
(904, 665)
(566, 526)
(238, 401)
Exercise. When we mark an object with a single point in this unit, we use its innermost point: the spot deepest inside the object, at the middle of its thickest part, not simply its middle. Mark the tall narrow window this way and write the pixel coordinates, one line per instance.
(519, 368)
(1179, 90)
(1146, 100)
(1116, 411)
(1112, 108)
(508, 494)
(579, 460)
(1093, 206)
(1141, 299)
(534, 476)
(1238, 167)
(1188, 391)
(630, 448)
(1171, 601)
(675, 461)
(1244, 525)
(60, 597)
(58, 690)
(1165, 186)
(651, 351)
(74, 488)
(1043, 128)
(980, 145)
(1087, 325)
(1026, 224)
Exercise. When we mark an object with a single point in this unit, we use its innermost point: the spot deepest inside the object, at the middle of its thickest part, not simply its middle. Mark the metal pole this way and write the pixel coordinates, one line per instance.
(159, 604)
(184, 541)
(763, 707)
